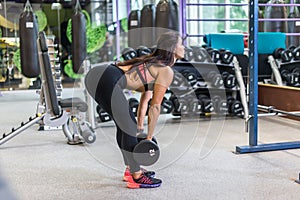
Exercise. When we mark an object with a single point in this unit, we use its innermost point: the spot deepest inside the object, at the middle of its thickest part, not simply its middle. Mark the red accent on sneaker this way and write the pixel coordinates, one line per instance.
(127, 175)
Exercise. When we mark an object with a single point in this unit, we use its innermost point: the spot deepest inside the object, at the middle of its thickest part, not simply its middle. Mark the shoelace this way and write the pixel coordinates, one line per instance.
(145, 179)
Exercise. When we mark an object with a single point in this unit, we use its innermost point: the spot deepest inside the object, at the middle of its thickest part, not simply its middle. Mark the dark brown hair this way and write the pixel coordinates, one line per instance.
(163, 54)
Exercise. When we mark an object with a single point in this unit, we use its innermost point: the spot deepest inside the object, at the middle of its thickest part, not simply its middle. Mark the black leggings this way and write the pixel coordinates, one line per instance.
(105, 85)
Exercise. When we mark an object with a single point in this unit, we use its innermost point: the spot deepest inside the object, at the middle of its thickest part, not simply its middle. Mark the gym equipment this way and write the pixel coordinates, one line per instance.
(143, 136)
(220, 104)
(229, 79)
(181, 106)
(242, 87)
(275, 70)
(285, 55)
(166, 106)
(133, 105)
(200, 54)
(275, 12)
(146, 152)
(235, 107)
(147, 24)
(79, 41)
(129, 53)
(296, 52)
(134, 34)
(188, 54)
(226, 56)
(214, 54)
(215, 78)
(206, 102)
(103, 115)
(28, 28)
(190, 76)
(291, 78)
(53, 112)
(166, 16)
(195, 106)
(142, 51)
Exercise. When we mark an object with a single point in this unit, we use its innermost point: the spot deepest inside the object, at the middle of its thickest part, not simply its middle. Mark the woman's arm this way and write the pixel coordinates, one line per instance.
(162, 82)
(142, 109)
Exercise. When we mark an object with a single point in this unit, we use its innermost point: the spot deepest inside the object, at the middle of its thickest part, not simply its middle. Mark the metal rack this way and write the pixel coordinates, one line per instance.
(252, 120)
(253, 96)
(186, 20)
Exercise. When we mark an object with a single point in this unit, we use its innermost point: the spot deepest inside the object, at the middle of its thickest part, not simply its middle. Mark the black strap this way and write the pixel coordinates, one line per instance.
(144, 80)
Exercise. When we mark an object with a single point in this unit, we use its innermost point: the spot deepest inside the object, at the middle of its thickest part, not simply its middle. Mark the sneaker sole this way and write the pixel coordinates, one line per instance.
(132, 185)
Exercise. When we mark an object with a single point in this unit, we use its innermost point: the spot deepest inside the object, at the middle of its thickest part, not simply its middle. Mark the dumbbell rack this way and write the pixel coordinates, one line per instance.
(285, 71)
(204, 85)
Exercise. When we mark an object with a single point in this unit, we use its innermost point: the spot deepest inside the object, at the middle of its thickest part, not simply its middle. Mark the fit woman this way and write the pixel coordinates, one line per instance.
(151, 75)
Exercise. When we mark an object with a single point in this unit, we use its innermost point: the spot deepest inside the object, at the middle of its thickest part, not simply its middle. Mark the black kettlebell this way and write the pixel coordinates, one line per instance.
(146, 152)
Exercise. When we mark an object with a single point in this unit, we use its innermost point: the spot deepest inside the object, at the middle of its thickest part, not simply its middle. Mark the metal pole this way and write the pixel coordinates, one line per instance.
(183, 20)
(253, 62)
(117, 30)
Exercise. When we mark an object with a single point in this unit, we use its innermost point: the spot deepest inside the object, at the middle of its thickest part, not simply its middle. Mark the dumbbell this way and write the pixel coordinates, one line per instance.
(180, 105)
(200, 54)
(295, 51)
(285, 55)
(146, 152)
(166, 106)
(215, 78)
(291, 78)
(235, 107)
(226, 56)
(206, 103)
(195, 106)
(220, 104)
(133, 105)
(142, 51)
(229, 79)
(188, 54)
(214, 54)
(129, 53)
(178, 79)
(103, 115)
(190, 76)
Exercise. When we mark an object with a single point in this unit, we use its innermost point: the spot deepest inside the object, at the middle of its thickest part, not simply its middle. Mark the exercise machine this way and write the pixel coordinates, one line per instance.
(55, 112)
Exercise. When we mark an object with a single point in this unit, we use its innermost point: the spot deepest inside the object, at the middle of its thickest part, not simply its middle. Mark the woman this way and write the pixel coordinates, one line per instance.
(151, 75)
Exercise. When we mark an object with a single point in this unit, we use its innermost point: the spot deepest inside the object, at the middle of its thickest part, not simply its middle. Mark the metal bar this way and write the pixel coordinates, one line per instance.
(219, 19)
(202, 35)
(117, 30)
(271, 109)
(128, 7)
(268, 147)
(183, 10)
(279, 4)
(239, 4)
(20, 129)
(260, 20)
(278, 19)
(217, 4)
(253, 63)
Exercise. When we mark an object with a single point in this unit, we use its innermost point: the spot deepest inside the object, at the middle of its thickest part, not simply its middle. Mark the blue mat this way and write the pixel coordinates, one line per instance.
(233, 42)
(269, 41)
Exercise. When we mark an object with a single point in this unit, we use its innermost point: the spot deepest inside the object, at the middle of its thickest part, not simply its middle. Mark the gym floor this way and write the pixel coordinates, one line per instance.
(197, 159)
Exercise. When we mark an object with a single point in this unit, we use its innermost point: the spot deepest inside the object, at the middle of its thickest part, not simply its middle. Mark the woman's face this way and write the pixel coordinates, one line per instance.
(179, 50)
